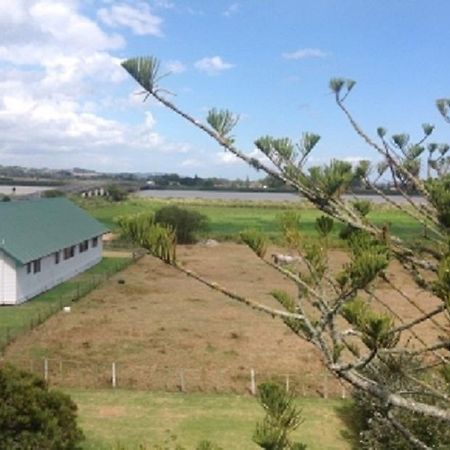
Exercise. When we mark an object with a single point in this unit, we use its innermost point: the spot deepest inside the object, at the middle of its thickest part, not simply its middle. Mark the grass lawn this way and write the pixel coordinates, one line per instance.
(138, 417)
(228, 218)
(15, 319)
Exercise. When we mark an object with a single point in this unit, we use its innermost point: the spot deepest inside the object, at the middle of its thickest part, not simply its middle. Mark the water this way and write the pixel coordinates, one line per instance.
(251, 196)
(23, 190)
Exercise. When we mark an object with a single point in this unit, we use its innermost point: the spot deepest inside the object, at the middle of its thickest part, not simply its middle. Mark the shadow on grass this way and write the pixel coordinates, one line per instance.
(352, 421)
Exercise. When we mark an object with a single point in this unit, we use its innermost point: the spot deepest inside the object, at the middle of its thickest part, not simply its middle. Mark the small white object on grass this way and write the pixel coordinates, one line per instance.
(67, 309)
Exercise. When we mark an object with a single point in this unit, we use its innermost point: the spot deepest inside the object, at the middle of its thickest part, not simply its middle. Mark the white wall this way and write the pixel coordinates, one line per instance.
(51, 274)
(8, 280)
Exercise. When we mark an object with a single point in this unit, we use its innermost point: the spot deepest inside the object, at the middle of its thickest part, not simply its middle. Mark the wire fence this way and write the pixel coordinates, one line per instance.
(141, 376)
(38, 311)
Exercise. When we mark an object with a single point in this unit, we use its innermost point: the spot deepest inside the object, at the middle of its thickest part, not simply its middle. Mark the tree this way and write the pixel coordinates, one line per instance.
(282, 417)
(32, 417)
(185, 223)
(334, 311)
(116, 193)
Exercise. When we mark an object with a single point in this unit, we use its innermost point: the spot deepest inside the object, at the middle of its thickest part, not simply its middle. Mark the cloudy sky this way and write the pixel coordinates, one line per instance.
(65, 101)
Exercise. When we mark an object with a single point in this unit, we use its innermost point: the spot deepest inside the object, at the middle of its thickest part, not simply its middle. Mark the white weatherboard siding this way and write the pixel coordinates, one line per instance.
(51, 274)
(8, 280)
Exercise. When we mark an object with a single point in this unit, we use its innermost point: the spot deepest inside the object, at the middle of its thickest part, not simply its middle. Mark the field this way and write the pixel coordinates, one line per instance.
(167, 332)
(16, 319)
(182, 352)
(136, 417)
(228, 218)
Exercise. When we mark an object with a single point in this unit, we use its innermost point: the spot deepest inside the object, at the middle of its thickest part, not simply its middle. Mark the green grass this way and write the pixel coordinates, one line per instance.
(135, 417)
(229, 218)
(18, 318)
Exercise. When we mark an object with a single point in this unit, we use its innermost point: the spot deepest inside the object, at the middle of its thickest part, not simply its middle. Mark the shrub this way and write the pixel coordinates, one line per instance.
(186, 223)
(52, 193)
(116, 193)
(32, 417)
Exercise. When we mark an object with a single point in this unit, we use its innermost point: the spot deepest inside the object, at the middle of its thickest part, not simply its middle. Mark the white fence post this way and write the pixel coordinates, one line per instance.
(46, 369)
(114, 380)
(252, 382)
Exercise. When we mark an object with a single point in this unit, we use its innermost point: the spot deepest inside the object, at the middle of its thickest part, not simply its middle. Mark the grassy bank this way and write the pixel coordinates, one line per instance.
(16, 319)
(228, 218)
(131, 418)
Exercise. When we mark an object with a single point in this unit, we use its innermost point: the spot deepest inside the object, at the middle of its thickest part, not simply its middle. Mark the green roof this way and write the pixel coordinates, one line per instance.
(31, 229)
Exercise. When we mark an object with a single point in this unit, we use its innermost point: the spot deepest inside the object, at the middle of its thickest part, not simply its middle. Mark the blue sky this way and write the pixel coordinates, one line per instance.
(65, 101)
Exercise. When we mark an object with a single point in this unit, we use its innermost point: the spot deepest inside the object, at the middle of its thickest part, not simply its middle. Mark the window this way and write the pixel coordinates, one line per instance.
(36, 265)
(95, 242)
(69, 252)
(84, 246)
(57, 258)
(29, 267)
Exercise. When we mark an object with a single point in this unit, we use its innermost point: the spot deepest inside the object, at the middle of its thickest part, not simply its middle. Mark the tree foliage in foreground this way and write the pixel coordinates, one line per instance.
(32, 417)
(282, 418)
(341, 312)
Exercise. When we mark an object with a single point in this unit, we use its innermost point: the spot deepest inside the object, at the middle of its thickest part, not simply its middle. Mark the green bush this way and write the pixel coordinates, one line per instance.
(52, 193)
(32, 417)
(186, 223)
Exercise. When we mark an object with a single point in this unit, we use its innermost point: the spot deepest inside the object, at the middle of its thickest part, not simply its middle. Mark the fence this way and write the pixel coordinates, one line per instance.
(37, 311)
(101, 375)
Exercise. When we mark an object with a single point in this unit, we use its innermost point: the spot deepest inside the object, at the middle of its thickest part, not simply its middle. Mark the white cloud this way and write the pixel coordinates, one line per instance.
(305, 53)
(175, 66)
(227, 158)
(58, 92)
(213, 65)
(192, 162)
(231, 10)
(136, 16)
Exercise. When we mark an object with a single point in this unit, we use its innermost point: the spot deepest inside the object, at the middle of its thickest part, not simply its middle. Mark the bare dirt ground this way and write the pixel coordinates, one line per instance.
(166, 331)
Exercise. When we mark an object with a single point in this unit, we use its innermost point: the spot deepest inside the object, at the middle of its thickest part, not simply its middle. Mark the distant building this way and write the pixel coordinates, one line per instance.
(44, 242)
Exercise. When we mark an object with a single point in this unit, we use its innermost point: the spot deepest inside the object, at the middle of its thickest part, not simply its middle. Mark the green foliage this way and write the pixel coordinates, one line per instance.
(324, 225)
(223, 122)
(363, 207)
(141, 229)
(136, 227)
(145, 70)
(376, 328)
(256, 240)
(442, 284)
(32, 417)
(439, 191)
(290, 227)
(333, 179)
(52, 193)
(186, 223)
(282, 417)
(284, 299)
(368, 413)
(116, 193)
(369, 258)
(160, 241)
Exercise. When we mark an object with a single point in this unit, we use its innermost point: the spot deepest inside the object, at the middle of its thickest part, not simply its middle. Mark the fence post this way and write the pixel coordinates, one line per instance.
(287, 383)
(252, 382)
(114, 380)
(344, 393)
(325, 386)
(46, 370)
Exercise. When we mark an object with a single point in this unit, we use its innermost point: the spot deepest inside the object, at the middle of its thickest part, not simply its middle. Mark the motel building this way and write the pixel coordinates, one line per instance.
(44, 242)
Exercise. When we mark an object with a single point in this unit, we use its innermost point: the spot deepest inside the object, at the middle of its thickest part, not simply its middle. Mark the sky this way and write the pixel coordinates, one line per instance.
(66, 102)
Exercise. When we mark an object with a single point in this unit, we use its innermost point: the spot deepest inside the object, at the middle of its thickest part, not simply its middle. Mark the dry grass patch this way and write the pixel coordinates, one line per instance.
(166, 331)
